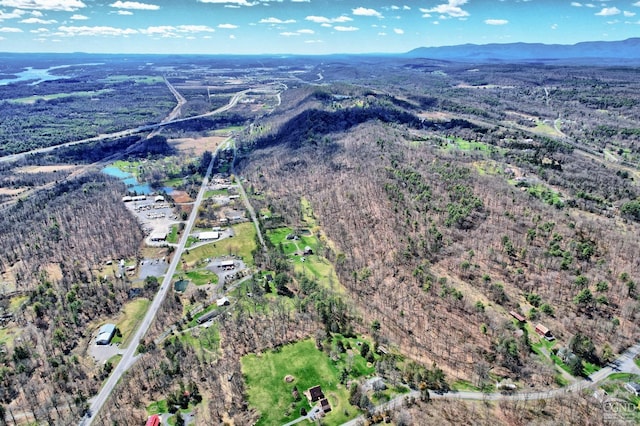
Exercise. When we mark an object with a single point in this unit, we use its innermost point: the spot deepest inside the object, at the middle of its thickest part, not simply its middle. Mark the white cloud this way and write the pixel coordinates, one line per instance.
(576, 4)
(17, 13)
(496, 21)
(325, 20)
(10, 30)
(450, 9)
(398, 30)
(341, 28)
(394, 7)
(554, 26)
(39, 31)
(2, 38)
(134, 5)
(608, 11)
(637, 4)
(77, 17)
(314, 41)
(71, 31)
(362, 11)
(227, 26)
(289, 34)
(38, 21)
(300, 1)
(306, 31)
(629, 14)
(591, 5)
(168, 31)
(125, 12)
(37, 13)
(273, 20)
(230, 3)
(58, 5)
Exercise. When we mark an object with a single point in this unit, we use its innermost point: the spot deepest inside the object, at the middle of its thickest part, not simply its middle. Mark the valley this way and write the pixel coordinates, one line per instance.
(338, 240)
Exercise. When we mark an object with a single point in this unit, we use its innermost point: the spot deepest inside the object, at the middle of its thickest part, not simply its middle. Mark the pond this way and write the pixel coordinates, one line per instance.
(180, 285)
(132, 183)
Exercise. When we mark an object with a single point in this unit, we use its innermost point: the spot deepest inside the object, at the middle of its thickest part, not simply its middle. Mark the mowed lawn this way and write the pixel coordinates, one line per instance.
(271, 395)
(132, 315)
(242, 245)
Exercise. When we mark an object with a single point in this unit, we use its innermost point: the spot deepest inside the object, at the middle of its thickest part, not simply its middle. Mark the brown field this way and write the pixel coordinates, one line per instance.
(11, 191)
(53, 271)
(197, 146)
(435, 115)
(181, 197)
(44, 169)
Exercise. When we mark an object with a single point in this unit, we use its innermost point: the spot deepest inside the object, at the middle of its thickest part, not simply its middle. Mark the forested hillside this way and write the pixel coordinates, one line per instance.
(439, 243)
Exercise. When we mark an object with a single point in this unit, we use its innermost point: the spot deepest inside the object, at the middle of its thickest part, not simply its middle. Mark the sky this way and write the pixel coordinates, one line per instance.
(304, 26)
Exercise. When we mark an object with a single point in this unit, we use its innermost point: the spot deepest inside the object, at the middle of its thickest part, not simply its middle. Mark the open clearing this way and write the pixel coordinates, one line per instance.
(11, 191)
(197, 146)
(241, 245)
(33, 99)
(46, 169)
(271, 394)
(131, 316)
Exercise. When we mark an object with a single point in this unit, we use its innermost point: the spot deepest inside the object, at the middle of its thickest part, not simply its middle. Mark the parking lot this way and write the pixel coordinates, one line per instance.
(155, 217)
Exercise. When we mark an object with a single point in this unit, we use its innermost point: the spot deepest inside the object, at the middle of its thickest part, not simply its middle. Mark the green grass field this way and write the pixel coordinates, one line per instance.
(133, 313)
(205, 341)
(172, 236)
(241, 245)
(271, 395)
(212, 193)
(157, 407)
(139, 79)
(547, 195)
(16, 302)
(202, 277)
(127, 166)
(33, 99)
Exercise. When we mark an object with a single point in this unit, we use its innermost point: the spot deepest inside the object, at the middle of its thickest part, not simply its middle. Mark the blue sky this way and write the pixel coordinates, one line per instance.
(303, 26)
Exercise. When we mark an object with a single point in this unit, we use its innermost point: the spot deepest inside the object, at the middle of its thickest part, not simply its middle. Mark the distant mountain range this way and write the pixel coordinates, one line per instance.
(613, 52)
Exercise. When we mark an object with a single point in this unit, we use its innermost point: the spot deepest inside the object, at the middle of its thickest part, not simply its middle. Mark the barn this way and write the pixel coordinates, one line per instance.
(105, 334)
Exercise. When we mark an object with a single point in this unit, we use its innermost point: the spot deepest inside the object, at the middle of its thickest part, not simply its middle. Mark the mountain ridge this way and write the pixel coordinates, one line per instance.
(622, 51)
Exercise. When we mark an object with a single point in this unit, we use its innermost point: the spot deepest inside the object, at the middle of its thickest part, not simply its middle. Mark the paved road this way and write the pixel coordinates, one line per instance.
(624, 363)
(140, 129)
(129, 356)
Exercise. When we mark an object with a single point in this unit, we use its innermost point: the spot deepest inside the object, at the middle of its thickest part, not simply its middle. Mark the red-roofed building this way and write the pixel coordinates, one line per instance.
(153, 420)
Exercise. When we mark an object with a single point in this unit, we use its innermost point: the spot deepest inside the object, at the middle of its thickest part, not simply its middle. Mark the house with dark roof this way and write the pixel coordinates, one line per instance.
(324, 404)
(634, 388)
(314, 394)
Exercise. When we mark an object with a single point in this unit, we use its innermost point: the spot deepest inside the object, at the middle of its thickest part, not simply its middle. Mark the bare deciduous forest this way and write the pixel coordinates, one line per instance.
(445, 196)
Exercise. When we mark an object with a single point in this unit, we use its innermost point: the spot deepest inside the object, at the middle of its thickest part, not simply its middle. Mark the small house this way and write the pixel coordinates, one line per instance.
(634, 388)
(315, 394)
(224, 301)
(153, 420)
(544, 332)
(324, 405)
(308, 251)
(517, 316)
(158, 199)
